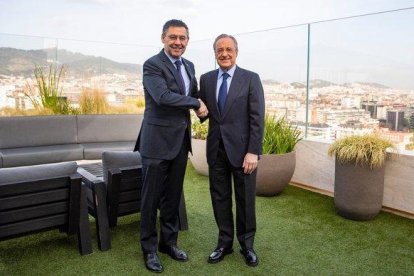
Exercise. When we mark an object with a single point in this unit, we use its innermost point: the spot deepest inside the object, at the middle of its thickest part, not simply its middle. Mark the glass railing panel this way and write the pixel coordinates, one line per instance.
(279, 56)
(202, 55)
(361, 77)
(19, 56)
(112, 71)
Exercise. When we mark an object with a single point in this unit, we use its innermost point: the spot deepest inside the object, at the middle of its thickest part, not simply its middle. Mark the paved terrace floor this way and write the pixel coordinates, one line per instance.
(298, 234)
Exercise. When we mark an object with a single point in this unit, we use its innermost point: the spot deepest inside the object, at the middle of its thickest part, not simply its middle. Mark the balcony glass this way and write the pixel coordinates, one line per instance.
(359, 73)
(361, 77)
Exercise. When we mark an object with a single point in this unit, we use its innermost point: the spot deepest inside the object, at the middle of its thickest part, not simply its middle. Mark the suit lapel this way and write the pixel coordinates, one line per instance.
(191, 75)
(234, 90)
(188, 70)
(173, 71)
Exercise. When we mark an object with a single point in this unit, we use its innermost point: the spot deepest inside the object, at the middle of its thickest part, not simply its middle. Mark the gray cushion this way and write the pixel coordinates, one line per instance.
(32, 131)
(119, 159)
(1, 161)
(30, 173)
(41, 155)
(94, 150)
(108, 128)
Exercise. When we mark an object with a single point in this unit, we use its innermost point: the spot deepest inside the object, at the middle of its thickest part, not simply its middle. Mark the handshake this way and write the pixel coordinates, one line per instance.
(202, 112)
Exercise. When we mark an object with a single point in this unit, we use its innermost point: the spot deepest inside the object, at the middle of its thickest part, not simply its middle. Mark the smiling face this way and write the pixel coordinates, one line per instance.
(226, 53)
(175, 41)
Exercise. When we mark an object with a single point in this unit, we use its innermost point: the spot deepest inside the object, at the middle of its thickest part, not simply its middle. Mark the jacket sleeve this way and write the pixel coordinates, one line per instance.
(256, 115)
(202, 95)
(156, 85)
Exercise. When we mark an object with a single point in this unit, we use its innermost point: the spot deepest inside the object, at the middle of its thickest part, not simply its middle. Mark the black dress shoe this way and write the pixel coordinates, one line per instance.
(174, 252)
(250, 257)
(218, 254)
(153, 263)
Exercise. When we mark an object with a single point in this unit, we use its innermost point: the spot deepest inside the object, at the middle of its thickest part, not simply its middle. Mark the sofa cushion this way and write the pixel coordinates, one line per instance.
(33, 131)
(41, 155)
(119, 159)
(94, 150)
(1, 160)
(108, 128)
(30, 173)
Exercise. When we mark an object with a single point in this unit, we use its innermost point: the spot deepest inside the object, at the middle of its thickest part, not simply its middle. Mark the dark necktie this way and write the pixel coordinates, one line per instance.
(178, 64)
(222, 96)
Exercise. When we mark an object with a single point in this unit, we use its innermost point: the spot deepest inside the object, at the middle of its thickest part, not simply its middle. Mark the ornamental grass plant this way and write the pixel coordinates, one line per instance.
(364, 150)
(279, 136)
(46, 91)
(93, 101)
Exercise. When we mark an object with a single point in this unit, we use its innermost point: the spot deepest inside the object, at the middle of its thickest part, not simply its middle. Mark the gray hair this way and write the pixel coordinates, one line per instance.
(226, 36)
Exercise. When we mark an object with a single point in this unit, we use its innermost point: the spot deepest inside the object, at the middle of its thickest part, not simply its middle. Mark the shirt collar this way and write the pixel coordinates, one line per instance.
(173, 60)
(230, 71)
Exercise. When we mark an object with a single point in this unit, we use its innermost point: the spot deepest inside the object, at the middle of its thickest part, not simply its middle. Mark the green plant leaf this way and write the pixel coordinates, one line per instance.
(279, 136)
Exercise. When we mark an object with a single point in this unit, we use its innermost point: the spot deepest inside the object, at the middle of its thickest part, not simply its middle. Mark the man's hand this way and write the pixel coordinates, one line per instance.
(202, 111)
(250, 163)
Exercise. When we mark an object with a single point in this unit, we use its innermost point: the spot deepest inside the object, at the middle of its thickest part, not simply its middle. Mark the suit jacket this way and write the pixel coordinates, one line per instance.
(166, 115)
(242, 122)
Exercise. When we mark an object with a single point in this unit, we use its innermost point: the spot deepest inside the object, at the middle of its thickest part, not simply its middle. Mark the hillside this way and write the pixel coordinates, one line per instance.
(21, 62)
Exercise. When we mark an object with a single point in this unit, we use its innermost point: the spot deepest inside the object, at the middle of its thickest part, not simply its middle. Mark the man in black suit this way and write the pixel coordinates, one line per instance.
(235, 100)
(164, 141)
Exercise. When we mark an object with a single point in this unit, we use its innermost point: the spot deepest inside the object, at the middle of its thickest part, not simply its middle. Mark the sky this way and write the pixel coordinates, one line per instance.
(140, 21)
(136, 26)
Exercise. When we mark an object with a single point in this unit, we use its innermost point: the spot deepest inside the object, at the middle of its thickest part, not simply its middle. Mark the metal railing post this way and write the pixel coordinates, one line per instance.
(307, 85)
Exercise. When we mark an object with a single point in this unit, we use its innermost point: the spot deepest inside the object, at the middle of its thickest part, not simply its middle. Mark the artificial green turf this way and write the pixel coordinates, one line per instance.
(298, 233)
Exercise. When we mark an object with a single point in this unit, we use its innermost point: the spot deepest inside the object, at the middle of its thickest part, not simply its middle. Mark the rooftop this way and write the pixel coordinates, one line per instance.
(298, 232)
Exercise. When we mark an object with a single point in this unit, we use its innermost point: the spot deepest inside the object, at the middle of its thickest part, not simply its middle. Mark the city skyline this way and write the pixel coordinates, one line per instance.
(51, 54)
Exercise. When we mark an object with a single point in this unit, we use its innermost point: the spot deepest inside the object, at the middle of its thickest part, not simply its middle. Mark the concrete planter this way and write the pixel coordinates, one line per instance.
(358, 191)
(274, 172)
(199, 158)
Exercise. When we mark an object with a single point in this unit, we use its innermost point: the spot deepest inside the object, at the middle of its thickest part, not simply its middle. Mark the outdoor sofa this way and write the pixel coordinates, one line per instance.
(33, 140)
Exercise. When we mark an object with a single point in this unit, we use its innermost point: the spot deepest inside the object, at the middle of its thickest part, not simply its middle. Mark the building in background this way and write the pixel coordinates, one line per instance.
(395, 120)
(373, 108)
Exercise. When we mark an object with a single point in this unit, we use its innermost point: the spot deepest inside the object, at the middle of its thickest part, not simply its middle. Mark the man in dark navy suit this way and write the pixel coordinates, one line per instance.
(164, 141)
(235, 100)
